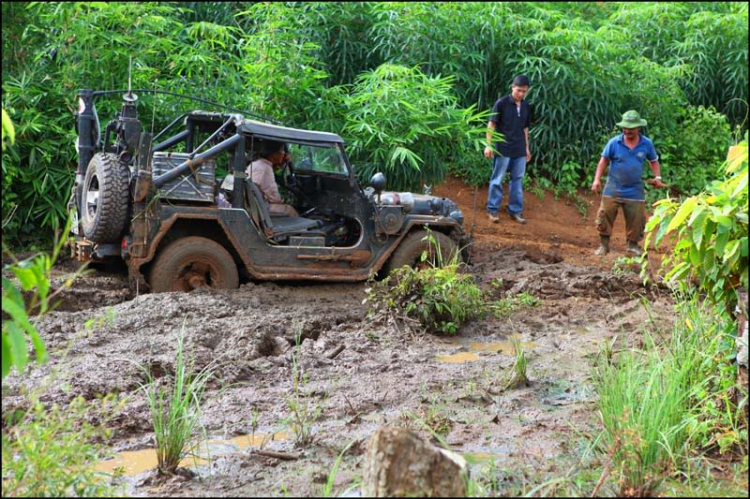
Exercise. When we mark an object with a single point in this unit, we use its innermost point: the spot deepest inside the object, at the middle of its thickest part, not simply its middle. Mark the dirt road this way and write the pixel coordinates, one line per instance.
(382, 376)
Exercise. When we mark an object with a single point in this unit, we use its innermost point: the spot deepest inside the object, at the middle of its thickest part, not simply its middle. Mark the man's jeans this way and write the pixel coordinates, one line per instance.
(517, 170)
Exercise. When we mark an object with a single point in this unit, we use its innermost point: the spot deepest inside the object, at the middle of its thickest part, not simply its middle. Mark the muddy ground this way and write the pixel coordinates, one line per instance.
(384, 375)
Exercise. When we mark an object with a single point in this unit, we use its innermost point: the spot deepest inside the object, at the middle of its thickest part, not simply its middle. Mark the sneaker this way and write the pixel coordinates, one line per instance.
(603, 250)
(516, 217)
(633, 248)
(493, 218)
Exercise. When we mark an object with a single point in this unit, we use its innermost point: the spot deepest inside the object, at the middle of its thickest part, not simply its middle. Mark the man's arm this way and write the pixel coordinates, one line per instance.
(656, 170)
(490, 130)
(600, 169)
(528, 147)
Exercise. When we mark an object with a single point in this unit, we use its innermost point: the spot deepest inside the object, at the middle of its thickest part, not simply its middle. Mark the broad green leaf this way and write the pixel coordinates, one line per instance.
(7, 357)
(18, 346)
(682, 214)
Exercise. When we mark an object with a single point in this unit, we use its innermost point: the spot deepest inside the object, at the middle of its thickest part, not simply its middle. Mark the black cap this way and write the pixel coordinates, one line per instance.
(521, 81)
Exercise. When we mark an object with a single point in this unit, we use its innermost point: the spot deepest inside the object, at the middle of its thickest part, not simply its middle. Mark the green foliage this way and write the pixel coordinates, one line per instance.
(52, 451)
(507, 306)
(175, 410)
(438, 296)
(8, 130)
(349, 67)
(406, 124)
(33, 276)
(691, 158)
(710, 232)
(658, 402)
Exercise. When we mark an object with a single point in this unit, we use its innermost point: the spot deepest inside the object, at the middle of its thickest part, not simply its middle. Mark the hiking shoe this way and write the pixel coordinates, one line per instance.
(633, 248)
(603, 250)
(493, 218)
(516, 217)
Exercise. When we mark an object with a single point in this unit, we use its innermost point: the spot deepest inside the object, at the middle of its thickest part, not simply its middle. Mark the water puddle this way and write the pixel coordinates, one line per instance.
(135, 462)
(473, 348)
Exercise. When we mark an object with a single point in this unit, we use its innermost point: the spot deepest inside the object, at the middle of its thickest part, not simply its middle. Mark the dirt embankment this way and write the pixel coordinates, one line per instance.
(102, 335)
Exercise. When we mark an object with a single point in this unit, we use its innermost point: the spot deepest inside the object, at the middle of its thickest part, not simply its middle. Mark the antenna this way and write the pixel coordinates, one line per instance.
(130, 96)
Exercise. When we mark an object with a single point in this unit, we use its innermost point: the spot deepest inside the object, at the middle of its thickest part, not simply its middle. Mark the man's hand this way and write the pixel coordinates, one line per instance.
(657, 183)
(528, 155)
(596, 185)
(488, 152)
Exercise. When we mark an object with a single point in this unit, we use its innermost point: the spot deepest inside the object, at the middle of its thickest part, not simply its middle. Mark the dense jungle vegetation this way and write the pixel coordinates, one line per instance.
(409, 86)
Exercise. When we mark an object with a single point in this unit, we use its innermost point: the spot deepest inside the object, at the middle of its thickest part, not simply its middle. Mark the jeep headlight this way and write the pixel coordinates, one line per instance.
(458, 216)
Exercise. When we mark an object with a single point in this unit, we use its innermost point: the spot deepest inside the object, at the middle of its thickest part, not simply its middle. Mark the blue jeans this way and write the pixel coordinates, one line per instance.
(517, 171)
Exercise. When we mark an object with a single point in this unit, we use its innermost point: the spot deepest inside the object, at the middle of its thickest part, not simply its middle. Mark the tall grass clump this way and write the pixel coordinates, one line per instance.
(175, 410)
(657, 403)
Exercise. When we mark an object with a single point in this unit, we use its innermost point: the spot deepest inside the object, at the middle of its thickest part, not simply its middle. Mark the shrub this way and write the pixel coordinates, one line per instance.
(51, 452)
(439, 297)
(710, 232)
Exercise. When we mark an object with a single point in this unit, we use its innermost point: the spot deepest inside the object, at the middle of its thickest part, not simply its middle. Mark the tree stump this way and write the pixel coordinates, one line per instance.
(399, 463)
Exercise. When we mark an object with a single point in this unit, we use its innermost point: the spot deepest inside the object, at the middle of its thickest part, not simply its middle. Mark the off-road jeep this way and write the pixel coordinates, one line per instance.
(156, 201)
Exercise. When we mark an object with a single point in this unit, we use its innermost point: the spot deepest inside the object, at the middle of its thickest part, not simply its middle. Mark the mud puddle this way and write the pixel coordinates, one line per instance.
(476, 350)
(132, 463)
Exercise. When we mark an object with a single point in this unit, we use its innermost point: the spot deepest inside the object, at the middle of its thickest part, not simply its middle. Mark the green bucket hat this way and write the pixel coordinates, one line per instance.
(631, 119)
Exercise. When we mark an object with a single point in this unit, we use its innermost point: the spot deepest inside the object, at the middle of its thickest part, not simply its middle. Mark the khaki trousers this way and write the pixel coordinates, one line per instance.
(635, 217)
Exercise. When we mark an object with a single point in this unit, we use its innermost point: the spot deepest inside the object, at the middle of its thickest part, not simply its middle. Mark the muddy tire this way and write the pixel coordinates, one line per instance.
(193, 262)
(411, 248)
(105, 199)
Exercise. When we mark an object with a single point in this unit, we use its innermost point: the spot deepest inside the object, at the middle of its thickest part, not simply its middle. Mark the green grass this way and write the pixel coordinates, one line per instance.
(175, 413)
(657, 403)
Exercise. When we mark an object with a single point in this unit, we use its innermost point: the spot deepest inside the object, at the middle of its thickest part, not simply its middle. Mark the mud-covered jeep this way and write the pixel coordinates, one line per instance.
(157, 202)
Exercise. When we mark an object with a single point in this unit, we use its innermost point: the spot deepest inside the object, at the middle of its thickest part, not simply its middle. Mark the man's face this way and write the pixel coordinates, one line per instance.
(630, 133)
(277, 158)
(518, 93)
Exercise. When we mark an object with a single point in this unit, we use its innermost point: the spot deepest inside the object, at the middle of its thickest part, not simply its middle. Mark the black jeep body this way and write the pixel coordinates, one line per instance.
(157, 202)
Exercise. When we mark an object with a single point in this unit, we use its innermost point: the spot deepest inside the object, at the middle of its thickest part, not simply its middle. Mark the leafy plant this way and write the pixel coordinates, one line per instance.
(438, 296)
(175, 410)
(33, 276)
(710, 233)
(507, 306)
(52, 451)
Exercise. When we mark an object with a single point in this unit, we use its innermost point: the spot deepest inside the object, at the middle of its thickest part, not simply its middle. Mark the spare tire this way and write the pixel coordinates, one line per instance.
(105, 199)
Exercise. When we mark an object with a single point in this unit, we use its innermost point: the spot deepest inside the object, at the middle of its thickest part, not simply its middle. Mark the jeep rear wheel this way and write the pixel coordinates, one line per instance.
(411, 248)
(105, 199)
(193, 262)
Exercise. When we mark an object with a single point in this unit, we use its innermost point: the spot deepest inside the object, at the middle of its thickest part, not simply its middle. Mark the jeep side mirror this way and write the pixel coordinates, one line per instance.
(378, 182)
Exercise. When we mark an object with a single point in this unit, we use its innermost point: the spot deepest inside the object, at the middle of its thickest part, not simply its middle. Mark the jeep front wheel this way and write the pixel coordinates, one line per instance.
(411, 248)
(193, 262)
(105, 199)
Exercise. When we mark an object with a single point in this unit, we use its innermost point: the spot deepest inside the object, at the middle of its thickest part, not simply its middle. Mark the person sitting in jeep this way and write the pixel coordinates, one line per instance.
(260, 171)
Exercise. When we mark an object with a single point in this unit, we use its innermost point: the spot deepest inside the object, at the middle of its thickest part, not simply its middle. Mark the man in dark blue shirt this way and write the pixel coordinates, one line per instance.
(625, 155)
(511, 116)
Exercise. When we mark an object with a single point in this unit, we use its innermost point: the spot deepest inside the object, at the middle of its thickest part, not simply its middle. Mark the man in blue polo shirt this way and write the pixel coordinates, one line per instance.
(625, 155)
(511, 116)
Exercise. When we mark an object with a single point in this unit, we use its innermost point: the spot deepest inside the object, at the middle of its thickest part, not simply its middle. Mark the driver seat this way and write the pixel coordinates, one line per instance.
(278, 227)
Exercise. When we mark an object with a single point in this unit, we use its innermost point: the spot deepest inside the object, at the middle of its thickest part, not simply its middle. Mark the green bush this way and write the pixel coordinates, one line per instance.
(406, 124)
(438, 296)
(51, 452)
(710, 233)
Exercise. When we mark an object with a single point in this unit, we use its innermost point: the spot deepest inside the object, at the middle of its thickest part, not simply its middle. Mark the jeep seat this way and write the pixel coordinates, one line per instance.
(276, 227)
